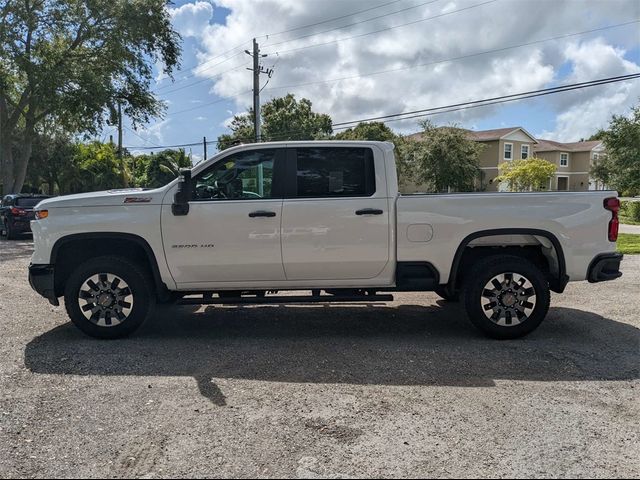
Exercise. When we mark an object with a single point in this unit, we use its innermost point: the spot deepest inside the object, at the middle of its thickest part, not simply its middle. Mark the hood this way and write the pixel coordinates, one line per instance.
(108, 198)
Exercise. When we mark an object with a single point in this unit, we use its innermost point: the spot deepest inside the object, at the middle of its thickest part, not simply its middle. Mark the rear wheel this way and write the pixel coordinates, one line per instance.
(11, 235)
(108, 297)
(506, 296)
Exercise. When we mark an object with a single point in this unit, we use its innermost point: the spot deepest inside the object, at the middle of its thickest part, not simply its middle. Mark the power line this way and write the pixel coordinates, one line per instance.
(476, 103)
(355, 23)
(220, 100)
(452, 59)
(141, 138)
(490, 101)
(327, 21)
(198, 67)
(451, 107)
(386, 29)
(335, 41)
(240, 45)
(218, 75)
(462, 57)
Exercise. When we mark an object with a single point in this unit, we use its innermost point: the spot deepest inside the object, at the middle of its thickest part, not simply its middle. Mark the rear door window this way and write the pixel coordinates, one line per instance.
(334, 172)
(27, 202)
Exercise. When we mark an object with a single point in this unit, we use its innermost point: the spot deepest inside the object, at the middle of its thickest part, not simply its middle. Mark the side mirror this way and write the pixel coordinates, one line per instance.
(181, 199)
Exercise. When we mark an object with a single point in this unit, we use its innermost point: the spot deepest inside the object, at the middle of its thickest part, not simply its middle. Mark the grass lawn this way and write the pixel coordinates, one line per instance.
(628, 243)
(628, 220)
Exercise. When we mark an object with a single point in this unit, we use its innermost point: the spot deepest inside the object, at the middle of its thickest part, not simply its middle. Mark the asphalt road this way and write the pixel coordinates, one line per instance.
(405, 389)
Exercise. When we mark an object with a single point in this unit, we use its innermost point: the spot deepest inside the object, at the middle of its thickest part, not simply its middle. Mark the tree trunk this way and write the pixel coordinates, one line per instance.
(7, 175)
(22, 162)
(6, 155)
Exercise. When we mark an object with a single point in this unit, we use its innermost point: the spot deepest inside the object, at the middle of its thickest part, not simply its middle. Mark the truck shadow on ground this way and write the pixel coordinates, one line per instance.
(373, 345)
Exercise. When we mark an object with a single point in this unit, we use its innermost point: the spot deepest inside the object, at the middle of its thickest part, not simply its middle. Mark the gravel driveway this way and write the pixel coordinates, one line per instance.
(405, 389)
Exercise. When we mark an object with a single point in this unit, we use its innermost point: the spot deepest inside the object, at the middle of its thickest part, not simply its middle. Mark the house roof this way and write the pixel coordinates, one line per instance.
(551, 146)
(484, 135)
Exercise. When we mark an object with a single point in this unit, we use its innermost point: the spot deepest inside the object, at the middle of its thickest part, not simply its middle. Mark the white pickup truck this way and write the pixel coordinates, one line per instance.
(320, 217)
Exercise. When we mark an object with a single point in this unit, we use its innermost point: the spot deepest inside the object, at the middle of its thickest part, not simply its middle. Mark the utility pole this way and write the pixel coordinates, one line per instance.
(120, 157)
(119, 130)
(204, 143)
(257, 70)
(256, 90)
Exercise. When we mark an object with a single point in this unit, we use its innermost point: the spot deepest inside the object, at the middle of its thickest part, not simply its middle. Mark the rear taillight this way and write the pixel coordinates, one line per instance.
(18, 211)
(613, 205)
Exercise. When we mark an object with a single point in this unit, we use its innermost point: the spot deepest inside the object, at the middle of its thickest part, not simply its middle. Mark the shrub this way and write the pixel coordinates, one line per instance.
(633, 211)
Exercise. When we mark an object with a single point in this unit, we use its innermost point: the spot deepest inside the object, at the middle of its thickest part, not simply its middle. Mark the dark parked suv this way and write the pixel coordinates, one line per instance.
(16, 213)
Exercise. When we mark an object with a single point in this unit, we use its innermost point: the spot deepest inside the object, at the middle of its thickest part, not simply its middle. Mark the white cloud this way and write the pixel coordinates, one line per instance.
(456, 34)
(153, 134)
(191, 19)
(582, 113)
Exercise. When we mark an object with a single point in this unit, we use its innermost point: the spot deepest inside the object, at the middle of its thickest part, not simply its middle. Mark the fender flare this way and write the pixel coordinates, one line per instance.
(161, 287)
(557, 284)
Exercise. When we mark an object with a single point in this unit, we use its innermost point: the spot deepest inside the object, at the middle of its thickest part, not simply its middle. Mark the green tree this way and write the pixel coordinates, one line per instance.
(52, 163)
(375, 131)
(98, 168)
(444, 159)
(532, 174)
(73, 61)
(622, 143)
(602, 171)
(282, 118)
(165, 166)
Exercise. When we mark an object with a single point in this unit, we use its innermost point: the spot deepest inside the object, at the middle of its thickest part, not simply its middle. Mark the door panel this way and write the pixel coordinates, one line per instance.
(335, 222)
(232, 230)
(219, 241)
(325, 239)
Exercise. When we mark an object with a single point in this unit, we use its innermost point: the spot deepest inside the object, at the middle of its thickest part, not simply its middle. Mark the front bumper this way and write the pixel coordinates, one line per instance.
(41, 280)
(604, 267)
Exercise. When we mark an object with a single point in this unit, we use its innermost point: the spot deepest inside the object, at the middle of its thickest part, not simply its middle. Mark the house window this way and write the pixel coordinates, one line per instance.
(596, 156)
(508, 151)
(564, 159)
(524, 152)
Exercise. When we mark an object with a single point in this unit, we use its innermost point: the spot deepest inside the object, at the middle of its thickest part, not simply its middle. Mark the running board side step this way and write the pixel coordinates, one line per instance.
(285, 300)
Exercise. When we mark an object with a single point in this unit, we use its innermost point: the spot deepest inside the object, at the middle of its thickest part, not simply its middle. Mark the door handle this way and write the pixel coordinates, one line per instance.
(262, 213)
(369, 211)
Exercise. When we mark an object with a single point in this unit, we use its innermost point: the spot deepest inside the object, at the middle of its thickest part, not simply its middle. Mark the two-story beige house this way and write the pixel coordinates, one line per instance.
(500, 145)
(573, 160)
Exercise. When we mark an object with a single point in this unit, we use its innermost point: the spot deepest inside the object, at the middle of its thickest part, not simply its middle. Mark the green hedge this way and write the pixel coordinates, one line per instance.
(630, 209)
(633, 211)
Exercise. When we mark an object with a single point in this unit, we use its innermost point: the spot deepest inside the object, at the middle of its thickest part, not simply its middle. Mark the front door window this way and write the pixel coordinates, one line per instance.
(243, 176)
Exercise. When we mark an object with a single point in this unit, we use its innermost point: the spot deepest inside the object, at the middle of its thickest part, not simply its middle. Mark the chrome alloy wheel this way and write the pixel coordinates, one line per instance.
(105, 299)
(508, 299)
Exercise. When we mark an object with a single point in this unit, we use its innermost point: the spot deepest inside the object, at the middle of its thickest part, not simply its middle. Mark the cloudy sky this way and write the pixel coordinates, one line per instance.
(361, 58)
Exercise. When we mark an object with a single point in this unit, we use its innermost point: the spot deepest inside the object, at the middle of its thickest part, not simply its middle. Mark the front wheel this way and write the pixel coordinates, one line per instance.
(506, 296)
(108, 297)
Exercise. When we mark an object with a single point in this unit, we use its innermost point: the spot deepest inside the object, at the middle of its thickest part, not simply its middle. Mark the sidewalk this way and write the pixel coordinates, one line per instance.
(624, 228)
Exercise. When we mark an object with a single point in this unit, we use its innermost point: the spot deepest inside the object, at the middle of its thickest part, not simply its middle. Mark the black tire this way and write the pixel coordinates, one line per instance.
(442, 293)
(9, 232)
(138, 281)
(508, 301)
